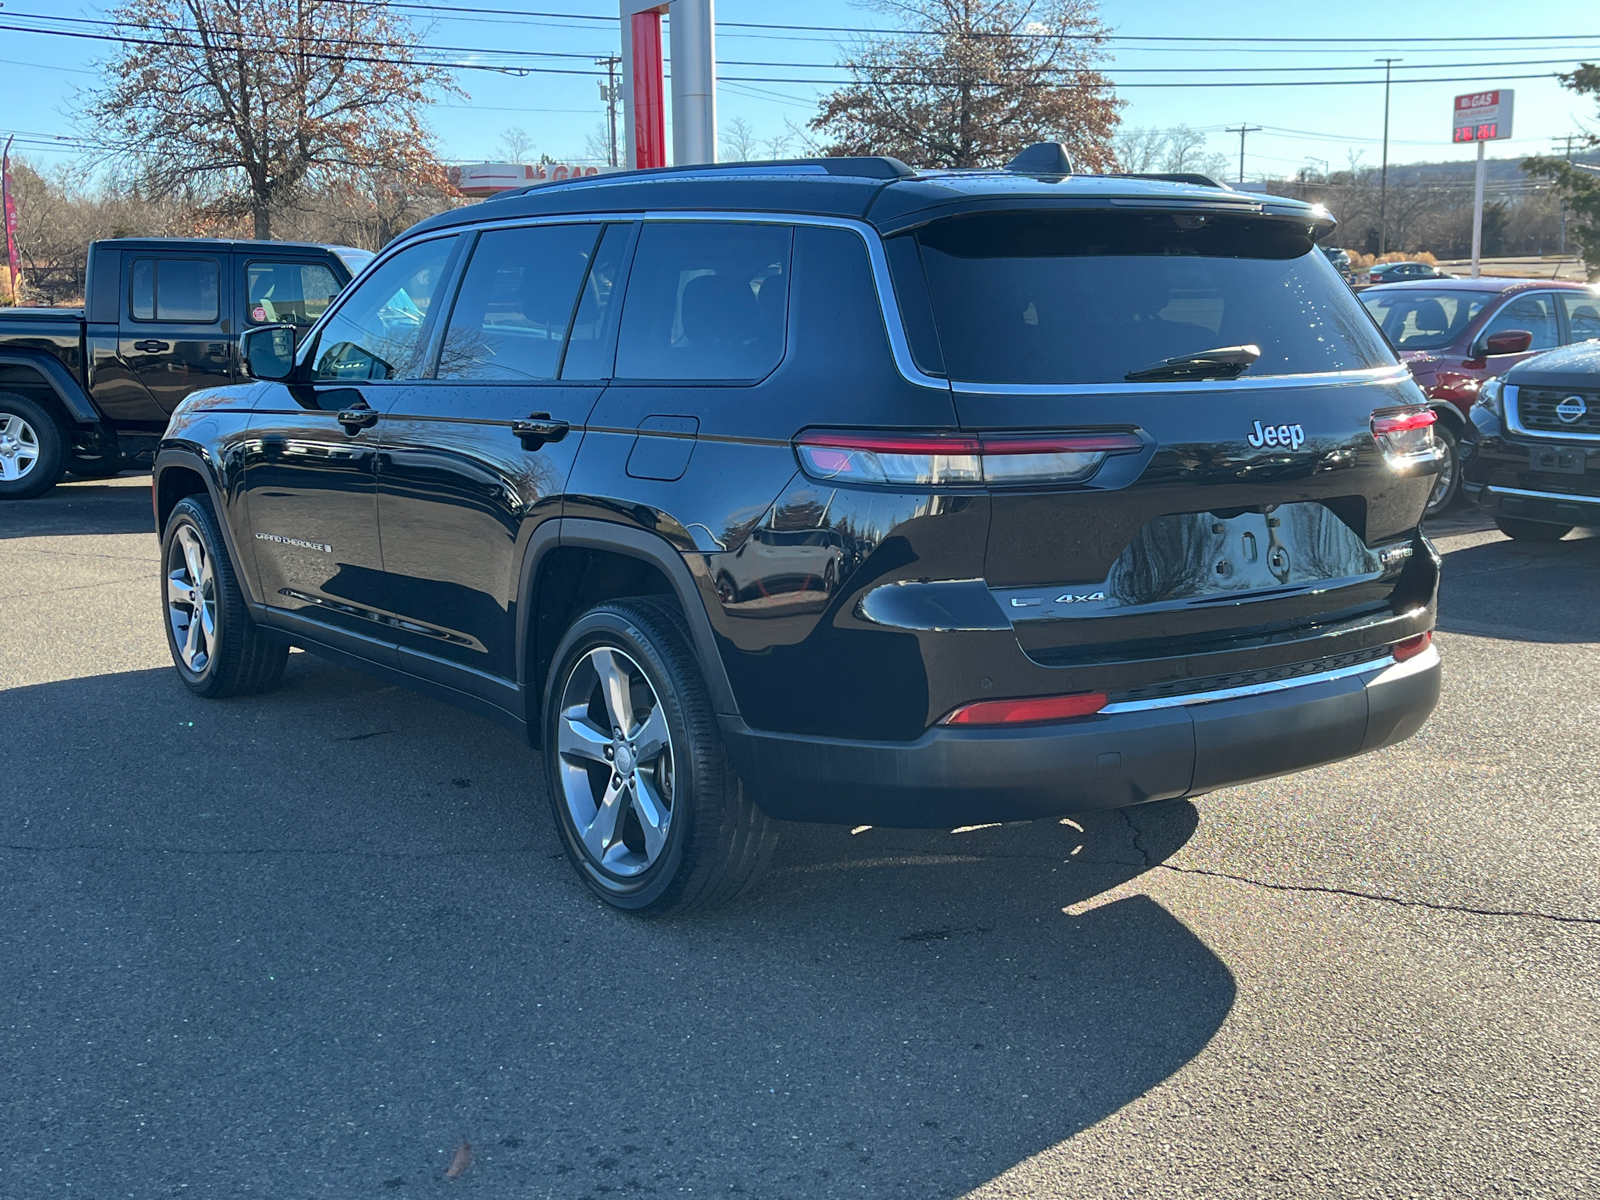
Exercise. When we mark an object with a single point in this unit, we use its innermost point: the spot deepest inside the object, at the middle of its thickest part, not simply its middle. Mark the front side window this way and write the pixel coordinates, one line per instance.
(1424, 318)
(1536, 314)
(288, 292)
(176, 289)
(510, 318)
(1067, 297)
(1583, 314)
(706, 300)
(377, 331)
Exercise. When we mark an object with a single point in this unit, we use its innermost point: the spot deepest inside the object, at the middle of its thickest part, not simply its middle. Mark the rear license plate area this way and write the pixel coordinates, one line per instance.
(1558, 460)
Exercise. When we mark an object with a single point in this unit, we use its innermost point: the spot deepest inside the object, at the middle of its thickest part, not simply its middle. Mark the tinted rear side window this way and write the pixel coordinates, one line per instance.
(510, 319)
(706, 300)
(176, 289)
(1088, 297)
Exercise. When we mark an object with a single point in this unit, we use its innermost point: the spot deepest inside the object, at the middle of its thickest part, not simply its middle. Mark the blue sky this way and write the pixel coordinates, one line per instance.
(1304, 124)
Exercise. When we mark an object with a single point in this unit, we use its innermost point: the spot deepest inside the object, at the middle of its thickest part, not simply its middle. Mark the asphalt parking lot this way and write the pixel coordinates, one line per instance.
(307, 944)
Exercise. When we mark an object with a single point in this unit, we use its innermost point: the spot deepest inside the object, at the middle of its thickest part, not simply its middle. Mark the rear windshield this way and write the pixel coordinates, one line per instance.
(1424, 318)
(1088, 297)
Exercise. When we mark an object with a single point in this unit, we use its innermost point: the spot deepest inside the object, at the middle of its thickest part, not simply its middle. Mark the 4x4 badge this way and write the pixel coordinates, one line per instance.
(1292, 436)
(1073, 598)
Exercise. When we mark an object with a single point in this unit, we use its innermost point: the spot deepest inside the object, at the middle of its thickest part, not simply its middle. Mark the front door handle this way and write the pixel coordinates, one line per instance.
(152, 347)
(539, 429)
(356, 419)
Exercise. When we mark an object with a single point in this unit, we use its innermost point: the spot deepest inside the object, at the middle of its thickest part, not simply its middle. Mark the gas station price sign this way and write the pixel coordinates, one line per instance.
(1483, 116)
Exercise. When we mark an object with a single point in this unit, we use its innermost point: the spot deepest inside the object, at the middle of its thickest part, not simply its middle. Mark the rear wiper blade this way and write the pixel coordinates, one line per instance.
(1225, 362)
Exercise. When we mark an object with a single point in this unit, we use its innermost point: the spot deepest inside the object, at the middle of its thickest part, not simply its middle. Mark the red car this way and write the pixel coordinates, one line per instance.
(1456, 333)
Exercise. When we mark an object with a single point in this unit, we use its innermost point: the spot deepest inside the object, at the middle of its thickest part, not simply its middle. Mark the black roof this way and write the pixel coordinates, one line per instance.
(218, 244)
(882, 191)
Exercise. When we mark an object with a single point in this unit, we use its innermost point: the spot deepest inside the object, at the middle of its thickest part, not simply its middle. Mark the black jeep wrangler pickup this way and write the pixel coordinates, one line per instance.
(87, 391)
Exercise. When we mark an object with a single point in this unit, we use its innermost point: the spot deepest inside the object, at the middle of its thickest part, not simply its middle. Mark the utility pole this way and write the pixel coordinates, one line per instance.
(1383, 184)
(1562, 248)
(1241, 131)
(610, 94)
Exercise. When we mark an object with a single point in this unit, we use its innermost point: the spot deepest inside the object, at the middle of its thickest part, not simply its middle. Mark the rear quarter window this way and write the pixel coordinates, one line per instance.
(706, 300)
(1089, 297)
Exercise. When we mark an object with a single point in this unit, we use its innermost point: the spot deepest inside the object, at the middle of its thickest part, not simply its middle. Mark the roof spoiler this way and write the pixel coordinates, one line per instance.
(1042, 158)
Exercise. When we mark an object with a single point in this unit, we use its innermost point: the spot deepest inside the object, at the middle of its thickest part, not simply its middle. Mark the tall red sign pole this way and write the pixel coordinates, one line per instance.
(8, 210)
(644, 91)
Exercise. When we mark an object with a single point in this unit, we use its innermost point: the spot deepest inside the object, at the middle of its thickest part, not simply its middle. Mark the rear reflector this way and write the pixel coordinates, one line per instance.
(1028, 711)
(958, 460)
(1412, 647)
(1405, 435)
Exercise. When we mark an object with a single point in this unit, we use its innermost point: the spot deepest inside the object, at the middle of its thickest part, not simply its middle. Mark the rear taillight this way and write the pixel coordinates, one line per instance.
(1031, 710)
(1412, 646)
(958, 460)
(1405, 435)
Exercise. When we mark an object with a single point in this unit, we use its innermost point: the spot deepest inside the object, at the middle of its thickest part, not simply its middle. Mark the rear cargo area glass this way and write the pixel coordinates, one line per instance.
(1088, 297)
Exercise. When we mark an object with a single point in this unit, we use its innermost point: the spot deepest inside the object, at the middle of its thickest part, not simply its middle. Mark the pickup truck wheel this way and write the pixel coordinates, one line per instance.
(1447, 483)
(215, 645)
(649, 810)
(1531, 531)
(32, 448)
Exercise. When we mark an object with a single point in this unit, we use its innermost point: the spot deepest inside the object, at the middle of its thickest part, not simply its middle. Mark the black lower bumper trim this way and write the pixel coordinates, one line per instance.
(952, 776)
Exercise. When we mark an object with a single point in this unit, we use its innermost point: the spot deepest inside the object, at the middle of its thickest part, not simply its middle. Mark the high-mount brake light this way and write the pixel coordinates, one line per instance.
(1030, 710)
(1412, 646)
(1405, 435)
(958, 460)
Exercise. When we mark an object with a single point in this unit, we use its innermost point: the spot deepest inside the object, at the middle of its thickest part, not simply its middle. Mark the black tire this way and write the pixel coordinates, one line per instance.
(1442, 499)
(717, 842)
(1531, 531)
(238, 660)
(33, 446)
(99, 466)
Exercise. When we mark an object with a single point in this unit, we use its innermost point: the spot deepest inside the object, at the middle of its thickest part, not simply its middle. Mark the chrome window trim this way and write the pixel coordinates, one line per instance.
(1564, 497)
(1393, 374)
(1509, 394)
(889, 309)
(1382, 670)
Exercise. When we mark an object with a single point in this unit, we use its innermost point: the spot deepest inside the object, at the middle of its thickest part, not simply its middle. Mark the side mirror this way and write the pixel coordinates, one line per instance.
(267, 352)
(1508, 341)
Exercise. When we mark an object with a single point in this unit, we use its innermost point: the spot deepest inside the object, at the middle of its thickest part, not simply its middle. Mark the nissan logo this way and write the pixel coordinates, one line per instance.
(1571, 410)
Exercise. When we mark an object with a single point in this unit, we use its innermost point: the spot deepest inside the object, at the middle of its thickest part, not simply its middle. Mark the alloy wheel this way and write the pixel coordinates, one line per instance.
(19, 447)
(616, 762)
(1442, 483)
(191, 599)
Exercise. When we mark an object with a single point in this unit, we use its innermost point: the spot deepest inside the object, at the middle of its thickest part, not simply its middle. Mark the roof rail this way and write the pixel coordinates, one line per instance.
(865, 167)
(1193, 177)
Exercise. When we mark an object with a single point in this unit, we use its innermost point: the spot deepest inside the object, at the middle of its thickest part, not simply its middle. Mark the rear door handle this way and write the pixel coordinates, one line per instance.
(539, 429)
(152, 347)
(356, 419)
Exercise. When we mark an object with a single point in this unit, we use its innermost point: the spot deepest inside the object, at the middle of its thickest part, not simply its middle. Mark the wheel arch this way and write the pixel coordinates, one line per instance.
(178, 473)
(1450, 416)
(586, 562)
(43, 374)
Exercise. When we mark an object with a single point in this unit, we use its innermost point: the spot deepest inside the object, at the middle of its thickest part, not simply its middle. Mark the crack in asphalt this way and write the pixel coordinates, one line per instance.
(1434, 905)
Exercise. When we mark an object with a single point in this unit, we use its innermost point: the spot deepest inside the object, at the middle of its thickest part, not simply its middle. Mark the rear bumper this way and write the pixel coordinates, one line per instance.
(1128, 754)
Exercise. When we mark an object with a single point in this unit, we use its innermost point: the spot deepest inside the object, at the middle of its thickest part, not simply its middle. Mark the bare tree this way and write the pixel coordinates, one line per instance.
(515, 145)
(245, 102)
(1179, 149)
(1578, 184)
(969, 83)
(738, 142)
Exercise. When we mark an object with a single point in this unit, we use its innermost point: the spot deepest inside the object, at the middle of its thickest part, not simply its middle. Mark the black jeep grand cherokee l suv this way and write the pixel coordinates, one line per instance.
(831, 491)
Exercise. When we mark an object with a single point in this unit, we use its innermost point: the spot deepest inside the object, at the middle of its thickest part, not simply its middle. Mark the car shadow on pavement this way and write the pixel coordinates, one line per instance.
(78, 507)
(1523, 591)
(311, 941)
